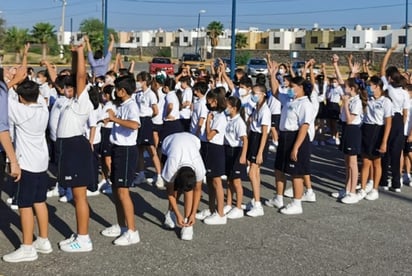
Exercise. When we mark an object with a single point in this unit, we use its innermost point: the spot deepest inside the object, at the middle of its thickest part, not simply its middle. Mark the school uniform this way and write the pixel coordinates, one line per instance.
(75, 155)
(185, 113)
(173, 124)
(45, 92)
(106, 145)
(199, 111)
(235, 130)
(315, 110)
(373, 127)
(259, 117)
(145, 101)
(275, 108)
(408, 128)
(158, 119)
(400, 102)
(124, 151)
(351, 132)
(333, 98)
(294, 115)
(215, 156)
(30, 124)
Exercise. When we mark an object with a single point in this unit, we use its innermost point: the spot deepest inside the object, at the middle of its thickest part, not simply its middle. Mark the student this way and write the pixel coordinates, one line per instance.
(236, 144)
(124, 161)
(43, 81)
(29, 118)
(157, 86)
(259, 125)
(200, 111)
(186, 102)
(375, 134)
(98, 62)
(407, 151)
(75, 154)
(183, 172)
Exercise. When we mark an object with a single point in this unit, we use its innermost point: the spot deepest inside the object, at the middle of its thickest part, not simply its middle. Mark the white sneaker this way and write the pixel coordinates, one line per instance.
(256, 211)
(215, 219)
(95, 193)
(112, 231)
(361, 194)
(372, 195)
(235, 213)
(227, 209)
(63, 199)
(288, 192)
(128, 238)
(139, 179)
(274, 202)
(350, 198)
(53, 192)
(101, 184)
(249, 205)
(22, 254)
(160, 184)
(203, 214)
(186, 233)
(405, 179)
(77, 245)
(292, 209)
(42, 246)
(340, 194)
(309, 196)
(69, 240)
(170, 219)
(369, 186)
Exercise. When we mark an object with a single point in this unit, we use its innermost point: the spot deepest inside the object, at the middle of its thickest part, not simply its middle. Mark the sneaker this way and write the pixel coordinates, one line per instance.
(227, 209)
(95, 193)
(42, 246)
(256, 211)
(292, 209)
(77, 245)
(396, 190)
(128, 238)
(63, 199)
(22, 254)
(170, 219)
(361, 194)
(69, 240)
(288, 192)
(369, 186)
(309, 196)
(340, 194)
(350, 198)
(112, 231)
(249, 205)
(107, 190)
(53, 192)
(235, 213)
(203, 214)
(372, 195)
(384, 188)
(337, 141)
(101, 184)
(405, 179)
(160, 183)
(139, 179)
(215, 219)
(186, 233)
(274, 202)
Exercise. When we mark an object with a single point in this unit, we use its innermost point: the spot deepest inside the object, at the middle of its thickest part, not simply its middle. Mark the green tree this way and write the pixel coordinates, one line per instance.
(44, 34)
(214, 30)
(2, 30)
(15, 39)
(94, 28)
(240, 41)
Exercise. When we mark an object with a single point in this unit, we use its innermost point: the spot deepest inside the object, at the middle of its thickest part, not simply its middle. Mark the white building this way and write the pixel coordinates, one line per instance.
(290, 39)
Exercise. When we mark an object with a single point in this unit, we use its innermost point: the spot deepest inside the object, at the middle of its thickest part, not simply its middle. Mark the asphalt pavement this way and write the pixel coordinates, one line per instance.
(329, 238)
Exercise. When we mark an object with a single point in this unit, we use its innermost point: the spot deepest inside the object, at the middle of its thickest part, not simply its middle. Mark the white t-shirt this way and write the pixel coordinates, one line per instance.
(171, 98)
(187, 96)
(235, 130)
(158, 119)
(259, 118)
(74, 116)
(120, 135)
(377, 111)
(274, 105)
(93, 121)
(182, 150)
(45, 91)
(108, 105)
(199, 111)
(355, 108)
(295, 114)
(30, 124)
(145, 100)
(218, 124)
(55, 112)
(399, 97)
(334, 94)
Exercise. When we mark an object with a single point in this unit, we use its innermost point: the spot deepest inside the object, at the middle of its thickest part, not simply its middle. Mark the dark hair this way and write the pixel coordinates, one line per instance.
(144, 76)
(358, 86)
(218, 94)
(201, 87)
(185, 179)
(123, 72)
(28, 90)
(45, 74)
(307, 86)
(69, 81)
(186, 79)
(98, 54)
(320, 79)
(65, 72)
(127, 83)
(408, 87)
(94, 96)
(376, 81)
(237, 103)
(111, 73)
(170, 83)
(393, 73)
(260, 79)
(246, 81)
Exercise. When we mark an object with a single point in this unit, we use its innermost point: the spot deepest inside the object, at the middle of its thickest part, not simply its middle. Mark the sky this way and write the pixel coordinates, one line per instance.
(170, 15)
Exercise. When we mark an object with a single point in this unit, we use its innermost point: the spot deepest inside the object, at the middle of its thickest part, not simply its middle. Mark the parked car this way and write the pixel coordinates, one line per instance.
(298, 66)
(195, 61)
(256, 66)
(163, 64)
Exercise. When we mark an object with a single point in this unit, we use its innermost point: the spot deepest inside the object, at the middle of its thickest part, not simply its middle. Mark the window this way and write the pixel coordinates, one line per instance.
(185, 39)
(153, 39)
(137, 39)
(314, 40)
(276, 40)
(298, 40)
(176, 39)
(264, 41)
(401, 39)
(355, 40)
(160, 39)
(381, 40)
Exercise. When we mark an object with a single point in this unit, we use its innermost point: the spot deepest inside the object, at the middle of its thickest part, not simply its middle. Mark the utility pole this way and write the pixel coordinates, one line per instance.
(233, 41)
(105, 32)
(406, 54)
(64, 3)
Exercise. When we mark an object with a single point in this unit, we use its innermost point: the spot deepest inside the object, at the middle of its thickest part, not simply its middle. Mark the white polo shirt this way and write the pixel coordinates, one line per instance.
(182, 150)
(120, 135)
(74, 116)
(399, 97)
(315, 108)
(55, 112)
(108, 105)
(187, 96)
(171, 98)
(158, 119)
(377, 111)
(93, 121)
(235, 130)
(259, 118)
(334, 94)
(355, 108)
(408, 124)
(199, 111)
(45, 91)
(145, 100)
(30, 124)
(218, 124)
(274, 105)
(295, 114)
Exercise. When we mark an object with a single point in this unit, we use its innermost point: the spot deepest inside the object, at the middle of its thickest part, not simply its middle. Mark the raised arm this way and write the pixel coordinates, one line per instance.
(131, 67)
(50, 69)
(25, 54)
(111, 45)
(274, 84)
(226, 78)
(335, 63)
(81, 76)
(386, 59)
(349, 58)
(355, 69)
(87, 42)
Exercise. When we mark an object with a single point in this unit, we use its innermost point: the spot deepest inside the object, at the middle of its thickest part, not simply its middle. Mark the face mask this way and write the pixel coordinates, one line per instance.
(281, 71)
(138, 86)
(38, 81)
(227, 112)
(370, 92)
(254, 98)
(242, 92)
(291, 93)
(100, 84)
(335, 85)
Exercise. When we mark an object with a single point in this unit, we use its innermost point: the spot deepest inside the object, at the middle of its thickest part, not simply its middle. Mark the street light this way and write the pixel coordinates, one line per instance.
(406, 58)
(64, 3)
(198, 30)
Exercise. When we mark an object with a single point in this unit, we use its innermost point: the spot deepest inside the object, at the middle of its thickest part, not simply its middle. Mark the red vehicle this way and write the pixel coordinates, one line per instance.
(161, 64)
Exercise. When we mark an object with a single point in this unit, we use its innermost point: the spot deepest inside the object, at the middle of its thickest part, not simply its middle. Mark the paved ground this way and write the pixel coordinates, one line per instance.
(330, 238)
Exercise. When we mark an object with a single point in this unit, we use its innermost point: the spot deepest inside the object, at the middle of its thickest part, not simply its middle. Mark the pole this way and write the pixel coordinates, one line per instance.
(64, 3)
(105, 32)
(103, 10)
(197, 36)
(233, 41)
(406, 57)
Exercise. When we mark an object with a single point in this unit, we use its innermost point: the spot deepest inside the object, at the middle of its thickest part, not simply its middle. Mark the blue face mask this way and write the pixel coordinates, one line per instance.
(370, 92)
(254, 98)
(227, 112)
(291, 93)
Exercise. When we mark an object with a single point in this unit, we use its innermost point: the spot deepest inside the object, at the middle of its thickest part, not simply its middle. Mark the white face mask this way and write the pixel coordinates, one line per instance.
(242, 92)
(38, 81)
(138, 86)
(100, 84)
(335, 85)
(281, 71)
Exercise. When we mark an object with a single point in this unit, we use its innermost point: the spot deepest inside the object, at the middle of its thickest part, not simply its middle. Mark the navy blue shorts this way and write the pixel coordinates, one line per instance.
(275, 121)
(371, 140)
(105, 144)
(351, 141)
(186, 124)
(75, 163)
(233, 167)
(157, 128)
(408, 146)
(169, 128)
(145, 133)
(123, 168)
(254, 139)
(332, 110)
(32, 188)
(215, 160)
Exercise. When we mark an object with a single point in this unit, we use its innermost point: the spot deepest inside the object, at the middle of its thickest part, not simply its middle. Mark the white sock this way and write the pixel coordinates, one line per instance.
(297, 202)
(27, 246)
(83, 238)
(279, 198)
(40, 239)
(309, 191)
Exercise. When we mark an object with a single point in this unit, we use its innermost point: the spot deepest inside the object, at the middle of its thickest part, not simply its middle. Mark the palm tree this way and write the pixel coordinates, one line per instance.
(241, 41)
(93, 27)
(214, 30)
(15, 40)
(43, 33)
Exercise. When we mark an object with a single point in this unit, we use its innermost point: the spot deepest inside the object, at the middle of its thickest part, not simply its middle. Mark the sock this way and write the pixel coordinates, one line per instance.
(27, 247)
(309, 191)
(297, 202)
(83, 238)
(40, 239)
(141, 173)
(279, 198)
